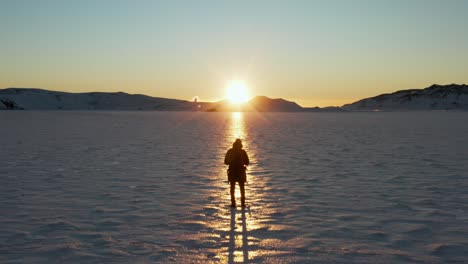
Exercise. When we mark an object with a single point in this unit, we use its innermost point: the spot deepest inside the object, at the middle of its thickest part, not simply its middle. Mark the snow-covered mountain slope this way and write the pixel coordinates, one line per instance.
(258, 104)
(38, 99)
(435, 97)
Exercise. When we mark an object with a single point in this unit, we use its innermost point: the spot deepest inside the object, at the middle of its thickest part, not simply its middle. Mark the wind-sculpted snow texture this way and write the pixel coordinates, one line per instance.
(145, 187)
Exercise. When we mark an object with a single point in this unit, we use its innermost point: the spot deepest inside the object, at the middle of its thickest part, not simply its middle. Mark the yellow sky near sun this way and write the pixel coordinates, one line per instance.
(306, 93)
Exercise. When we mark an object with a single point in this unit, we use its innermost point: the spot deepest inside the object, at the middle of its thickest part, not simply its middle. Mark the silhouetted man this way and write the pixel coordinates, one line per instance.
(237, 160)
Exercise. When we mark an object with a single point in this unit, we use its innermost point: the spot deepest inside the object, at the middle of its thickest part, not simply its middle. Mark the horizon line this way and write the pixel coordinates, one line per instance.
(226, 99)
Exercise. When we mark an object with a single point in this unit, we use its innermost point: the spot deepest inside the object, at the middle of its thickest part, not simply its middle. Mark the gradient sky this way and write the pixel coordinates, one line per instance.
(312, 52)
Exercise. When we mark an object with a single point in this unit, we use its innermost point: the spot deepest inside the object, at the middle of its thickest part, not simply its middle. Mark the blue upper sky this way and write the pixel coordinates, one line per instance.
(313, 52)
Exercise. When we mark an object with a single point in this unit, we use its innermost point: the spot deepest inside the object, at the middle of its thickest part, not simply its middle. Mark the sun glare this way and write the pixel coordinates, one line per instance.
(237, 92)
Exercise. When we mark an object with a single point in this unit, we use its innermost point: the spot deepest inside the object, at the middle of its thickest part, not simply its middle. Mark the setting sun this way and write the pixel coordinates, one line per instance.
(237, 92)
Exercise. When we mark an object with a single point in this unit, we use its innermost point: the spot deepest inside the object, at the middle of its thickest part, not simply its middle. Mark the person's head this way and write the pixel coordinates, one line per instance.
(237, 144)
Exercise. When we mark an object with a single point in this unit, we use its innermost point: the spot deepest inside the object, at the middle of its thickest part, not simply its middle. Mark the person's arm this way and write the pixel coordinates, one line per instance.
(227, 158)
(246, 158)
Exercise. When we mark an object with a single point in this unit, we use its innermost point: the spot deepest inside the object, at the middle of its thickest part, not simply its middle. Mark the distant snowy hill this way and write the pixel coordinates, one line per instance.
(435, 97)
(258, 104)
(38, 99)
(265, 104)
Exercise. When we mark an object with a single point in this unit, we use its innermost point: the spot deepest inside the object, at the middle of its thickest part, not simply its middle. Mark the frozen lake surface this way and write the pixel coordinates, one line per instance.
(127, 187)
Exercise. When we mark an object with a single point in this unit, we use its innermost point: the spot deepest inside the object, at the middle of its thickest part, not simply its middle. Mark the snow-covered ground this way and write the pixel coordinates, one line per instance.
(144, 187)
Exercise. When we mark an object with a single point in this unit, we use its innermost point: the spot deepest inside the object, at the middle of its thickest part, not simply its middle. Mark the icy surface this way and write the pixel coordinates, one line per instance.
(142, 187)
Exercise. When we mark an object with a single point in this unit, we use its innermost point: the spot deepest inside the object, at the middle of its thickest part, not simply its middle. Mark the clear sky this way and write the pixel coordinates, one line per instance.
(312, 52)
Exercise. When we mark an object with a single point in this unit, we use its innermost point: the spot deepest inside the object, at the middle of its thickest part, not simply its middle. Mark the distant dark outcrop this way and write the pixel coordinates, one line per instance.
(6, 103)
(324, 109)
(435, 97)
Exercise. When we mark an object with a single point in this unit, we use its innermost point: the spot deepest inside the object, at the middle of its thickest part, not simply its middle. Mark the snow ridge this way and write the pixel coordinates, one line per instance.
(39, 99)
(435, 97)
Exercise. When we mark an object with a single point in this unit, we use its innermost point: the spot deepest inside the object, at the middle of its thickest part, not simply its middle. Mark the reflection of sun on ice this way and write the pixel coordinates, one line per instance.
(237, 92)
(237, 127)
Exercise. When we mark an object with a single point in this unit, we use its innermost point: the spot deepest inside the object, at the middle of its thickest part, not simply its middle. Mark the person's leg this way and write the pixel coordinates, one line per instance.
(233, 187)
(242, 190)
